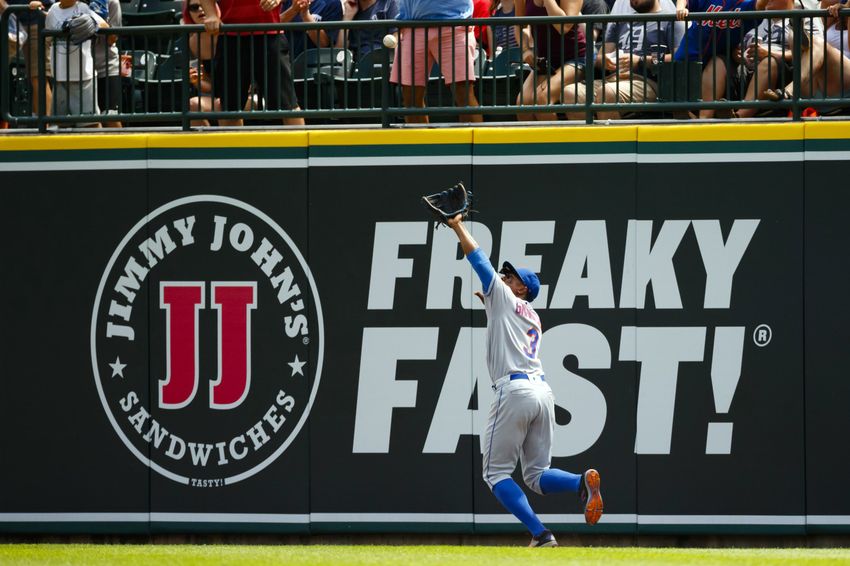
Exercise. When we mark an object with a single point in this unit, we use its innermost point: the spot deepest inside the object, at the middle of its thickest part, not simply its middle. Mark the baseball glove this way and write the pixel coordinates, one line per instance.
(80, 28)
(449, 203)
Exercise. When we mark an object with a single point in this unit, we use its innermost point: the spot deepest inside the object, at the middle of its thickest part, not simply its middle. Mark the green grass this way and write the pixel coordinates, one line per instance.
(241, 555)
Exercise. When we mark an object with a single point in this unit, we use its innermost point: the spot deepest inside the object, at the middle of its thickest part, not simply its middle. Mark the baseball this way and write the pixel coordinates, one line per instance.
(390, 41)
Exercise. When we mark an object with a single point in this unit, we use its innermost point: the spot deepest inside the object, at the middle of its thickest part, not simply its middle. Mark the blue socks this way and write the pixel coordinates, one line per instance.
(556, 481)
(514, 500)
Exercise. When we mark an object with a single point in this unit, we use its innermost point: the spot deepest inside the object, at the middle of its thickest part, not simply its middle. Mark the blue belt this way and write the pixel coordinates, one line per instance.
(524, 376)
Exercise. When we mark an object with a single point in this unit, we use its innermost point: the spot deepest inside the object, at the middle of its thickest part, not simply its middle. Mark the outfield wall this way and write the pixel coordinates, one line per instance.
(262, 332)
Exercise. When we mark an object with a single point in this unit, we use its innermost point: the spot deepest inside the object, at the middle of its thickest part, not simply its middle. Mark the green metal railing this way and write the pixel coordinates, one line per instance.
(337, 87)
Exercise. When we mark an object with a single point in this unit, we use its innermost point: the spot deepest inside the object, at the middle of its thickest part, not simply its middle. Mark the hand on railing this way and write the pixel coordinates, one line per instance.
(833, 10)
(212, 23)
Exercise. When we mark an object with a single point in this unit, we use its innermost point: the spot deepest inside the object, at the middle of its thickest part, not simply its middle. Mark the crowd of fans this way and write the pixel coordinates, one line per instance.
(744, 60)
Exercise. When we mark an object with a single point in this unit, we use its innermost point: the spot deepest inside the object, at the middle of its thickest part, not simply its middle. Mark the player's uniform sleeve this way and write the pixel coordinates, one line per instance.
(483, 268)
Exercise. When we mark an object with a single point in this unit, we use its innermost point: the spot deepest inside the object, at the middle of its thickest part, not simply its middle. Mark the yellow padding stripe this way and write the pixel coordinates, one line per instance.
(229, 139)
(721, 132)
(65, 142)
(556, 135)
(391, 137)
(827, 130)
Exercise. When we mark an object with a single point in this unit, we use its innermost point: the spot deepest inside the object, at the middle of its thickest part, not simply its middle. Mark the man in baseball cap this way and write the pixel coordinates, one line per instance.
(521, 419)
(528, 278)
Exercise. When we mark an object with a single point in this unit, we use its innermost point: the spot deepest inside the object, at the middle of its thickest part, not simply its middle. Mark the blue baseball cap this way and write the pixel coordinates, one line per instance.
(528, 278)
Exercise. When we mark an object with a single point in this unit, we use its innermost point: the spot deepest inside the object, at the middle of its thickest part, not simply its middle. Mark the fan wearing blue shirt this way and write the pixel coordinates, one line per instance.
(361, 42)
(713, 41)
(310, 11)
(453, 48)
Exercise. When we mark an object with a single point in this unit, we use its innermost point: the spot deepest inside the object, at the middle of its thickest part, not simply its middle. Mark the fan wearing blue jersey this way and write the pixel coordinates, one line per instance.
(714, 42)
(521, 421)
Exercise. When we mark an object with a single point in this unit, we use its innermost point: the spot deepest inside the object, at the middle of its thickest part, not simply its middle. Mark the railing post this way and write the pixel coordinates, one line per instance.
(797, 55)
(588, 74)
(42, 78)
(184, 83)
(385, 88)
(5, 96)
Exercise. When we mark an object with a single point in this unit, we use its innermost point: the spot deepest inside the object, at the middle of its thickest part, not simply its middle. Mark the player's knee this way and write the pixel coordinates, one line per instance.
(492, 479)
(532, 480)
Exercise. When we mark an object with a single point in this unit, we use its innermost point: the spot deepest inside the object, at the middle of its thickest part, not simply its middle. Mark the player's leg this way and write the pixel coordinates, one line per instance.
(230, 86)
(536, 459)
(505, 432)
(272, 76)
(713, 83)
(527, 95)
(575, 94)
(766, 75)
(550, 92)
(409, 71)
(30, 49)
(536, 455)
(456, 56)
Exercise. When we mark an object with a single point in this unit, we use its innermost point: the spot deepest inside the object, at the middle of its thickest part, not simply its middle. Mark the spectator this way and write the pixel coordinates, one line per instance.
(631, 53)
(310, 11)
(837, 31)
(589, 7)
(452, 47)
(17, 37)
(481, 10)
(823, 69)
(256, 56)
(711, 42)
(361, 42)
(16, 33)
(766, 55)
(202, 53)
(73, 67)
(107, 64)
(28, 21)
(556, 51)
(502, 36)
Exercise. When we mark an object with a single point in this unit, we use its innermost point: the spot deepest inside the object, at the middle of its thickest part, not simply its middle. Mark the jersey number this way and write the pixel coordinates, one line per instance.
(531, 351)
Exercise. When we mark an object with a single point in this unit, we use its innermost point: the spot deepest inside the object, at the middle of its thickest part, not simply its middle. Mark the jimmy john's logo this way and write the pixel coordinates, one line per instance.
(207, 340)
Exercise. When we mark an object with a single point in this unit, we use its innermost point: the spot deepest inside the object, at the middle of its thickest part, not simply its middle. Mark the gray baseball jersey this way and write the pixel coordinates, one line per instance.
(513, 333)
(521, 421)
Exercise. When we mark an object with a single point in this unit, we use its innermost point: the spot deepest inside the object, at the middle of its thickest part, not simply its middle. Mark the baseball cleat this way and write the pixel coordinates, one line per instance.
(546, 538)
(591, 497)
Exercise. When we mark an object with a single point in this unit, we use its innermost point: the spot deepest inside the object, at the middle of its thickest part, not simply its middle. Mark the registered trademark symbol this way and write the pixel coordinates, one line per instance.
(305, 340)
(762, 335)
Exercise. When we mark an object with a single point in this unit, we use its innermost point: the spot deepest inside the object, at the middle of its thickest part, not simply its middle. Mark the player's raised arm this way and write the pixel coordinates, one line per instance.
(479, 260)
(467, 242)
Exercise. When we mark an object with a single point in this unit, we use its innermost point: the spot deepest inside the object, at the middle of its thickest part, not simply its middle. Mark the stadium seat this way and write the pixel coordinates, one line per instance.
(365, 87)
(316, 73)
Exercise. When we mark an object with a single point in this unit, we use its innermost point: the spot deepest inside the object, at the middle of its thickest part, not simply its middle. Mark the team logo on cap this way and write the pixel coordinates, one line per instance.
(207, 340)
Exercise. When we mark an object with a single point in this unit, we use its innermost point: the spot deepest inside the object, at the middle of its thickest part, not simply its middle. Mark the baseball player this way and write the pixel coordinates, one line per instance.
(522, 417)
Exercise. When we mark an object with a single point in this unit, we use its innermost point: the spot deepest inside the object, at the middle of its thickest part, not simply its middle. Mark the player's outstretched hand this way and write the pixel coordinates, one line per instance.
(454, 221)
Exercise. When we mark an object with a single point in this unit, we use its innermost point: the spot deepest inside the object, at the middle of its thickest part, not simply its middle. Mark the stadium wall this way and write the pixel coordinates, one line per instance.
(263, 333)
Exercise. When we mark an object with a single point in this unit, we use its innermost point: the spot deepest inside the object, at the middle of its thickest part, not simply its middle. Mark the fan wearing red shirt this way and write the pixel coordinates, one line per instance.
(255, 56)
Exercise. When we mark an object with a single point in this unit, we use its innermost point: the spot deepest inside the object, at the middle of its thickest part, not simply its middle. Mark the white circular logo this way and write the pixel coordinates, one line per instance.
(207, 340)
(762, 335)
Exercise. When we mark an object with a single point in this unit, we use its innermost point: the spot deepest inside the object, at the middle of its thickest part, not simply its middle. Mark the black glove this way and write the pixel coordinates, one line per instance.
(449, 203)
(80, 28)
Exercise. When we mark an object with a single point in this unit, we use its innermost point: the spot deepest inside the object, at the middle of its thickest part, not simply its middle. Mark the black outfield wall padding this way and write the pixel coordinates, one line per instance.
(264, 332)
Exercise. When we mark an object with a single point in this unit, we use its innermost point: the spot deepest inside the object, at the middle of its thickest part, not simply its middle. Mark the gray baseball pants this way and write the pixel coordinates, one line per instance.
(520, 427)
